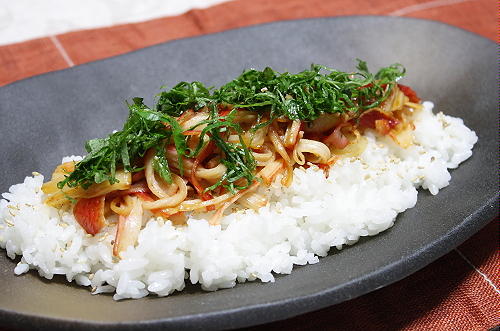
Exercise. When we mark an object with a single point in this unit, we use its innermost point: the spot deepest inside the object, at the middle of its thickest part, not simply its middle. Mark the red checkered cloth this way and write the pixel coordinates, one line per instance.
(460, 291)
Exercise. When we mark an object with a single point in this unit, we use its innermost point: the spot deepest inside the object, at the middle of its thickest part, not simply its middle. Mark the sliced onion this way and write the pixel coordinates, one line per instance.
(269, 172)
(292, 133)
(139, 187)
(323, 123)
(253, 200)
(218, 214)
(60, 197)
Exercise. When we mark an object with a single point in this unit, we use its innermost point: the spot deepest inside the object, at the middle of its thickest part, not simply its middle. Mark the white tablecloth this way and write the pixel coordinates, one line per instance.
(27, 19)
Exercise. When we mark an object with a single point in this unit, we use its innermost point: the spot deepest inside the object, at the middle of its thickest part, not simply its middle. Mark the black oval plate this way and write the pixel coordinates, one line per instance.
(49, 116)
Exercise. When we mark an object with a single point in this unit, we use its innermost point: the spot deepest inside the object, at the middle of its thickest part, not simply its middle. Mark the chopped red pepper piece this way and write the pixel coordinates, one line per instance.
(371, 118)
(408, 91)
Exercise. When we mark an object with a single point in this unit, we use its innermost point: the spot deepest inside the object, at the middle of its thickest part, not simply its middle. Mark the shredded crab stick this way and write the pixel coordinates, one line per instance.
(337, 139)
(128, 228)
(89, 213)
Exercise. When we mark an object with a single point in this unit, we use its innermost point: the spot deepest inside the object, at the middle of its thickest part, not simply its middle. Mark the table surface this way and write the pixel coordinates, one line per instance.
(459, 291)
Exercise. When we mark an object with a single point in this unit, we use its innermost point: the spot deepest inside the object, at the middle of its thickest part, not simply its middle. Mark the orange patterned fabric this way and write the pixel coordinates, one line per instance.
(460, 291)
(43, 55)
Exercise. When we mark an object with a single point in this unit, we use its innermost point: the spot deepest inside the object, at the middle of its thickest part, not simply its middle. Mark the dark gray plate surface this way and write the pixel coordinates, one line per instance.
(49, 116)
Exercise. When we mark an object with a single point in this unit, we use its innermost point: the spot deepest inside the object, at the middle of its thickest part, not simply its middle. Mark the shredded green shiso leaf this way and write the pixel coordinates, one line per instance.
(303, 96)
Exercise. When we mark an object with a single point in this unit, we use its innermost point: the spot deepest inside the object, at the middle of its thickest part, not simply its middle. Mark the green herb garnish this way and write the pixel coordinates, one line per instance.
(304, 96)
(120, 149)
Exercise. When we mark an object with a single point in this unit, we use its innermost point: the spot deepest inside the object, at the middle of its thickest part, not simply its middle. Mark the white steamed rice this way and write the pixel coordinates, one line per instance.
(361, 197)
